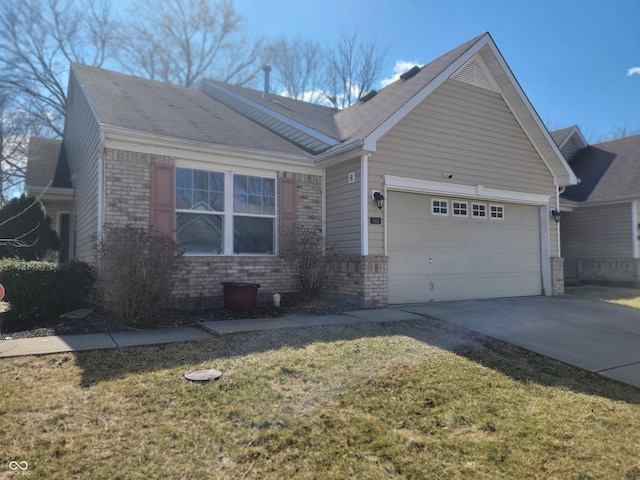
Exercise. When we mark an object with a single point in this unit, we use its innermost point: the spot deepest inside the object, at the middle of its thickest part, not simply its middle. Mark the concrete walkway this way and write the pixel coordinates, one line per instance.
(595, 336)
(205, 330)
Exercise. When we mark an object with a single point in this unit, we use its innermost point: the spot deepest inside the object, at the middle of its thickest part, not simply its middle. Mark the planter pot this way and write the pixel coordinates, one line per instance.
(240, 297)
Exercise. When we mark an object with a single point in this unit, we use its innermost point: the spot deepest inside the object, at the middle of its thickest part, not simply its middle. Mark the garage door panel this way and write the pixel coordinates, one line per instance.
(460, 257)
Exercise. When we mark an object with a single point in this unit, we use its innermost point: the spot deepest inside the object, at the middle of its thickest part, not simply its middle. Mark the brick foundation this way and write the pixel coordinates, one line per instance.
(621, 270)
(364, 280)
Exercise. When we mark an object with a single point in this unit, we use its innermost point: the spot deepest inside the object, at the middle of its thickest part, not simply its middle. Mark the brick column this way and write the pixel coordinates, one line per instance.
(557, 276)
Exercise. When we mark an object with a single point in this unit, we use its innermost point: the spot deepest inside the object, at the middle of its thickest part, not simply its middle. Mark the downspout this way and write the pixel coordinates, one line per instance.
(558, 192)
(364, 204)
(101, 181)
(634, 229)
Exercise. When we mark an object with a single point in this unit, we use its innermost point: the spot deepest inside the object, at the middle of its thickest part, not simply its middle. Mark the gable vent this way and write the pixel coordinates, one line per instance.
(475, 73)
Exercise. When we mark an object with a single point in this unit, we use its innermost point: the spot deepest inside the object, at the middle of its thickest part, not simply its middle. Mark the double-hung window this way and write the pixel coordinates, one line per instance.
(220, 213)
(200, 206)
(254, 210)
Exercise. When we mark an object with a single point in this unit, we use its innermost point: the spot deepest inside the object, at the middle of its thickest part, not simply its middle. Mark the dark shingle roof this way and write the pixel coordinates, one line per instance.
(43, 158)
(158, 108)
(609, 171)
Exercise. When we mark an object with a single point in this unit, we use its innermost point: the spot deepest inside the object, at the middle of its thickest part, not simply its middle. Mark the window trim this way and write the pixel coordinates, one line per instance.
(441, 202)
(228, 214)
(460, 202)
(496, 205)
(484, 210)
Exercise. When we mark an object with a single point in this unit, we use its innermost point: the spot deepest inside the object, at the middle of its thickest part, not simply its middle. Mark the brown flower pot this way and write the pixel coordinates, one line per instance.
(240, 297)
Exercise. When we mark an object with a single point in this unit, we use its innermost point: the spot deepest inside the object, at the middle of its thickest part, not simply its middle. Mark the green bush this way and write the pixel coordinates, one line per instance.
(41, 289)
(25, 230)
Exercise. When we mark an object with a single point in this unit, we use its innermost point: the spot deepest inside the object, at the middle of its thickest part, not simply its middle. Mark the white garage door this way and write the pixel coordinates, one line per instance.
(443, 248)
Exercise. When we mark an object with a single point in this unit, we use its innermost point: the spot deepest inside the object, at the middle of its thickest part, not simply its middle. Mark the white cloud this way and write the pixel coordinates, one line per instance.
(400, 67)
(633, 71)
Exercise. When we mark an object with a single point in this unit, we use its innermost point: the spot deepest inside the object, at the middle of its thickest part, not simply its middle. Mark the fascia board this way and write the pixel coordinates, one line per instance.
(371, 140)
(574, 131)
(474, 192)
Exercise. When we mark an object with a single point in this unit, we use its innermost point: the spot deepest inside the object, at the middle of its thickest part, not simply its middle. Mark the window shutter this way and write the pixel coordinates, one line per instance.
(163, 211)
(287, 201)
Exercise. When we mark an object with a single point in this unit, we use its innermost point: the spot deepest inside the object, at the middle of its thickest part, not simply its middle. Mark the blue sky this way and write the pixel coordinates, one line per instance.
(574, 59)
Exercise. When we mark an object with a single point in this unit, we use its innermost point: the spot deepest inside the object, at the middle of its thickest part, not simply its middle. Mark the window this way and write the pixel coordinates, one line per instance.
(478, 210)
(218, 213)
(439, 207)
(254, 208)
(496, 212)
(199, 210)
(460, 209)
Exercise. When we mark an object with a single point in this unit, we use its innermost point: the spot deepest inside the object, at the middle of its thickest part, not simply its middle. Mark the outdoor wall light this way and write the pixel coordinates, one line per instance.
(379, 199)
(556, 215)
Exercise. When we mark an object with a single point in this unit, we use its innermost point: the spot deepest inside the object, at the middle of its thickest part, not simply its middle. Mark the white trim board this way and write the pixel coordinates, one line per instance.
(477, 192)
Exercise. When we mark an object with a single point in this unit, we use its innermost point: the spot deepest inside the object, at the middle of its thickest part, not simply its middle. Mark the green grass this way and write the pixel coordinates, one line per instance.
(414, 400)
(620, 295)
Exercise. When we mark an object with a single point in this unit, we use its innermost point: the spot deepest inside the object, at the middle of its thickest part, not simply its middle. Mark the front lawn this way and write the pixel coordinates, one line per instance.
(621, 295)
(415, 400)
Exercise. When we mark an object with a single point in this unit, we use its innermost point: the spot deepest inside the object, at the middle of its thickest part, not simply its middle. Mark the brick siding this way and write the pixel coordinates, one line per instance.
(557, 276)
(609, 270)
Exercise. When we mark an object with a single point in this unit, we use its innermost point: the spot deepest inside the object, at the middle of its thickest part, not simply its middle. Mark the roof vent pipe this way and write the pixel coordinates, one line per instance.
(265, 93)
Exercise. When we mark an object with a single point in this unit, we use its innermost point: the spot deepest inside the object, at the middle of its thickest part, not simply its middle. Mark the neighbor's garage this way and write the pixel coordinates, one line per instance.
(447, 248)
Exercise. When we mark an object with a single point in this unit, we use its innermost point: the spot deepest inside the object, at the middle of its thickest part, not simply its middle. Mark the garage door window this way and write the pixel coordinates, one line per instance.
(460, 209)
(439, 207)
(478, 210)
(496, 212)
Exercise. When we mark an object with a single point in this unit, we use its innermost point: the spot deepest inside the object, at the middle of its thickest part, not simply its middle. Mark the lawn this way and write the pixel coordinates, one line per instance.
(621, 295)
(414, 400)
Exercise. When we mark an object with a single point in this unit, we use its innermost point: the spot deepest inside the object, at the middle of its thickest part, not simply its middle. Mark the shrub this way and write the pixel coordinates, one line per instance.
(39, 289)
(25, 230)
(138, 269)
(307, 257)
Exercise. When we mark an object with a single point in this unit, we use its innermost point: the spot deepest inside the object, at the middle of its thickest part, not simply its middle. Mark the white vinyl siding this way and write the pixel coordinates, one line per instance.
(600, 232)
(343, 207)
(82, 147)
(469, 132)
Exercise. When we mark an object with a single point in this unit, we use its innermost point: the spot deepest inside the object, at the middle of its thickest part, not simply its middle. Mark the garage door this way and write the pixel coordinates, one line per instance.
(444, 248)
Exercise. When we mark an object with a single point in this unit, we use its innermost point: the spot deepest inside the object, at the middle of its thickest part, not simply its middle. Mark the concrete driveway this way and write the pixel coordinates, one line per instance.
(596, 336)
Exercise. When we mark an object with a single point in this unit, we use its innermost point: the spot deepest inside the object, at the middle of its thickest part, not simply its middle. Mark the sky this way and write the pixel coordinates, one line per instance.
(578, 61)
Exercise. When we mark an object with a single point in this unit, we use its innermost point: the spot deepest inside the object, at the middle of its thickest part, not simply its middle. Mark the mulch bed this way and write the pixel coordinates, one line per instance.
(103, 322)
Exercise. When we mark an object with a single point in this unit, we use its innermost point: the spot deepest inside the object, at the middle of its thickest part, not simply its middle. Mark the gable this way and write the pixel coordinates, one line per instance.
(470, 132)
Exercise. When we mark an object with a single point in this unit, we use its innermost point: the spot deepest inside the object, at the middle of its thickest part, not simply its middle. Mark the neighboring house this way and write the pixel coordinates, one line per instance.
(467, 169)
(47, 178)
(600, 223)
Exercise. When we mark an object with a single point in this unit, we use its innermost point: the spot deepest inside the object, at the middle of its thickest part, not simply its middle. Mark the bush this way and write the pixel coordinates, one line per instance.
(307, 257)
(138, 269)
(25, 230)
(41, 289)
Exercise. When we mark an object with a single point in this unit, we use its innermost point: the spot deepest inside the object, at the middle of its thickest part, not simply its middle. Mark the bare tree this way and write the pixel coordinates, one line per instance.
(181, 41)
(38, 41)
(354, 66)
(17, 124)
(300, 68)
(624, 130)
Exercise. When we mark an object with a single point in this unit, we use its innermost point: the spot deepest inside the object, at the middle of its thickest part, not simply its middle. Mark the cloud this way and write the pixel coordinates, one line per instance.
(400, 67)
(633, 71)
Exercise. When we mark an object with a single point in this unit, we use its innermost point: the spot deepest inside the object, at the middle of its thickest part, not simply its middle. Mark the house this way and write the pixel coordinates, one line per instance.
(468, 173)
(600, 224)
